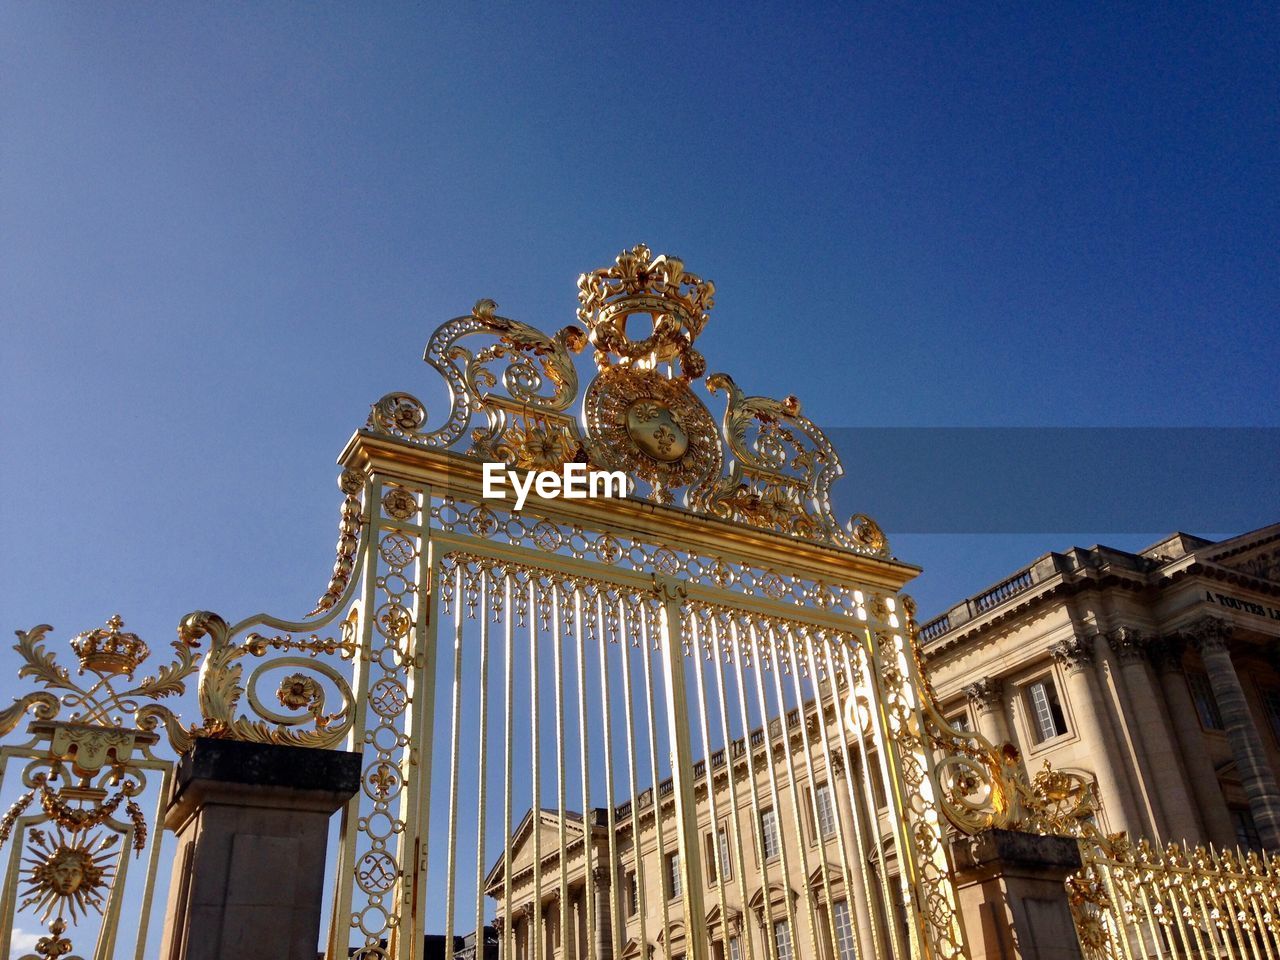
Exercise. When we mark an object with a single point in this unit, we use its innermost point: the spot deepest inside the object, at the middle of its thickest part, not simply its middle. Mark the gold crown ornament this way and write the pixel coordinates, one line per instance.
(657, 288)
(109, 650)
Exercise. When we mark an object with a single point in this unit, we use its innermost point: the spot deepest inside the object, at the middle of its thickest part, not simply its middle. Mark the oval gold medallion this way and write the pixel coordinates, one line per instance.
(653, 428)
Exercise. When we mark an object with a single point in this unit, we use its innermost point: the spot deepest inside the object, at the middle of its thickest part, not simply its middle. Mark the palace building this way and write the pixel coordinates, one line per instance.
(1154, 674)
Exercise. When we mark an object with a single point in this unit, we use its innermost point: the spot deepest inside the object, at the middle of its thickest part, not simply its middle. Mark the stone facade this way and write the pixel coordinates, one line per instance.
(1155, 673)
(754, 896)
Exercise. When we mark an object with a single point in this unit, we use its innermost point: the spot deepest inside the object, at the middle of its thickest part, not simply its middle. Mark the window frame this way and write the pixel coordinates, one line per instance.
(1045, 683)
(770, 812)
(846, 946)
(816, 835)
(631, 890)
(719, 858)
(671, 877)
(782, 926)
(1204, 701)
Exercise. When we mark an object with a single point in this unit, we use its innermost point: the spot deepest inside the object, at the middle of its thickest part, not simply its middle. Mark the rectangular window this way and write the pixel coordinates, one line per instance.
(1206, 703)
(844, 930)
(877, 784)
(1271, 701)
(632, 890)
(782, 940)
(674, 889)
(718, 862)
(1246, 829)
(824, 800)
(960, 722)
(1047, 718)
(769, 833)
(735, 949)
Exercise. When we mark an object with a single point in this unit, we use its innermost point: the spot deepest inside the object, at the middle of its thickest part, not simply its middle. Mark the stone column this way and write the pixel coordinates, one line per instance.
(252, 821)
(1160, 760)
(1166, 655)
(1010, 887)
(1087, 705)
(602, 891)
(987, 697)
(1210, 636)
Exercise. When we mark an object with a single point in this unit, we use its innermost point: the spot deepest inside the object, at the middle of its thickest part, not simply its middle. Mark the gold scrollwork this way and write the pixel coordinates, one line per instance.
(221, 686)
(533, 360)
(782, 470)
(641, 315)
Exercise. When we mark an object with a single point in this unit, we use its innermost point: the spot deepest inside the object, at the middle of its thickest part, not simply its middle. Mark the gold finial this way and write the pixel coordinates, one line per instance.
(110, 650)
(640, 284)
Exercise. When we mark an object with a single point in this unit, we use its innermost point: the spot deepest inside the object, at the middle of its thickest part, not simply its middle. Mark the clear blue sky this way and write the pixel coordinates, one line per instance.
(226, 229)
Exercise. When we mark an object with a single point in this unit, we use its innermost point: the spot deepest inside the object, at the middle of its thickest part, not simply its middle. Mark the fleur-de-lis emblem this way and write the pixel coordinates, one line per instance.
(655, 431)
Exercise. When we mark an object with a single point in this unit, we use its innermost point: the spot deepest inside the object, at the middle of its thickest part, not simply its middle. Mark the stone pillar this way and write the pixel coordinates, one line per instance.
(1160, 760)
(987, 697)
(252, 821)
(1076, 657)
(602, 891)
(1210, 636)
(1166, 655)
(1010, 887)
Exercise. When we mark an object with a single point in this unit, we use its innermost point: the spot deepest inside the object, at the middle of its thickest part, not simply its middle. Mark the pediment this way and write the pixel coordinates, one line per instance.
(1228, 773)
(547, 824)
(834, 876)
(776, 893)
(635, 950)
(1255, 554)
(673, 934)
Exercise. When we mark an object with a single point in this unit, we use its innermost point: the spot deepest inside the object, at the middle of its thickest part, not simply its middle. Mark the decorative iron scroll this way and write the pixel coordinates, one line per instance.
(640, 413)
(86, 769)
(87, 765)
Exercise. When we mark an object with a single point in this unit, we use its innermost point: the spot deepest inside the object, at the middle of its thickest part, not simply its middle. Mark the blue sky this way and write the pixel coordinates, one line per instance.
(228, 229)
(225, 230)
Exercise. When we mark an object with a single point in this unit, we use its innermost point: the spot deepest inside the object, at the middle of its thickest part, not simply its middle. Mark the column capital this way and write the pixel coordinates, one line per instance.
(1166, 653)
(1074, 653)
(1209, 633)
(1128, 644)
(603, 876)
(985, 693)
(499, 924)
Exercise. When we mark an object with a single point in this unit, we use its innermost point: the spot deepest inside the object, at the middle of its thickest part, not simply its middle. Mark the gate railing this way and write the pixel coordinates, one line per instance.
(1134, 901)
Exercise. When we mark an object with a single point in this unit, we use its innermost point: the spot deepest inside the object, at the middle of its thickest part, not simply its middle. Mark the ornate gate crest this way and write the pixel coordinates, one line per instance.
(639, 414)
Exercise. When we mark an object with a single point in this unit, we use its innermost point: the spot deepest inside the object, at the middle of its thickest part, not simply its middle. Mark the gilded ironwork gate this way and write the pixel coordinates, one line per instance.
(688, 721)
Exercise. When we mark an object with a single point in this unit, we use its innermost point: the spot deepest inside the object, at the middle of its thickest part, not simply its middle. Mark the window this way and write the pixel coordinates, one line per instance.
(718, 862)
(674, 889)
(844, 930)
(824, 800)
(960, 722)
(735, 949)
(632, 890)
(877, 785)
(782, 940)
(769, 833)
(1206, 703)
(1271, 701)
(1246, 829)
(1046, 710)
(731, 951)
